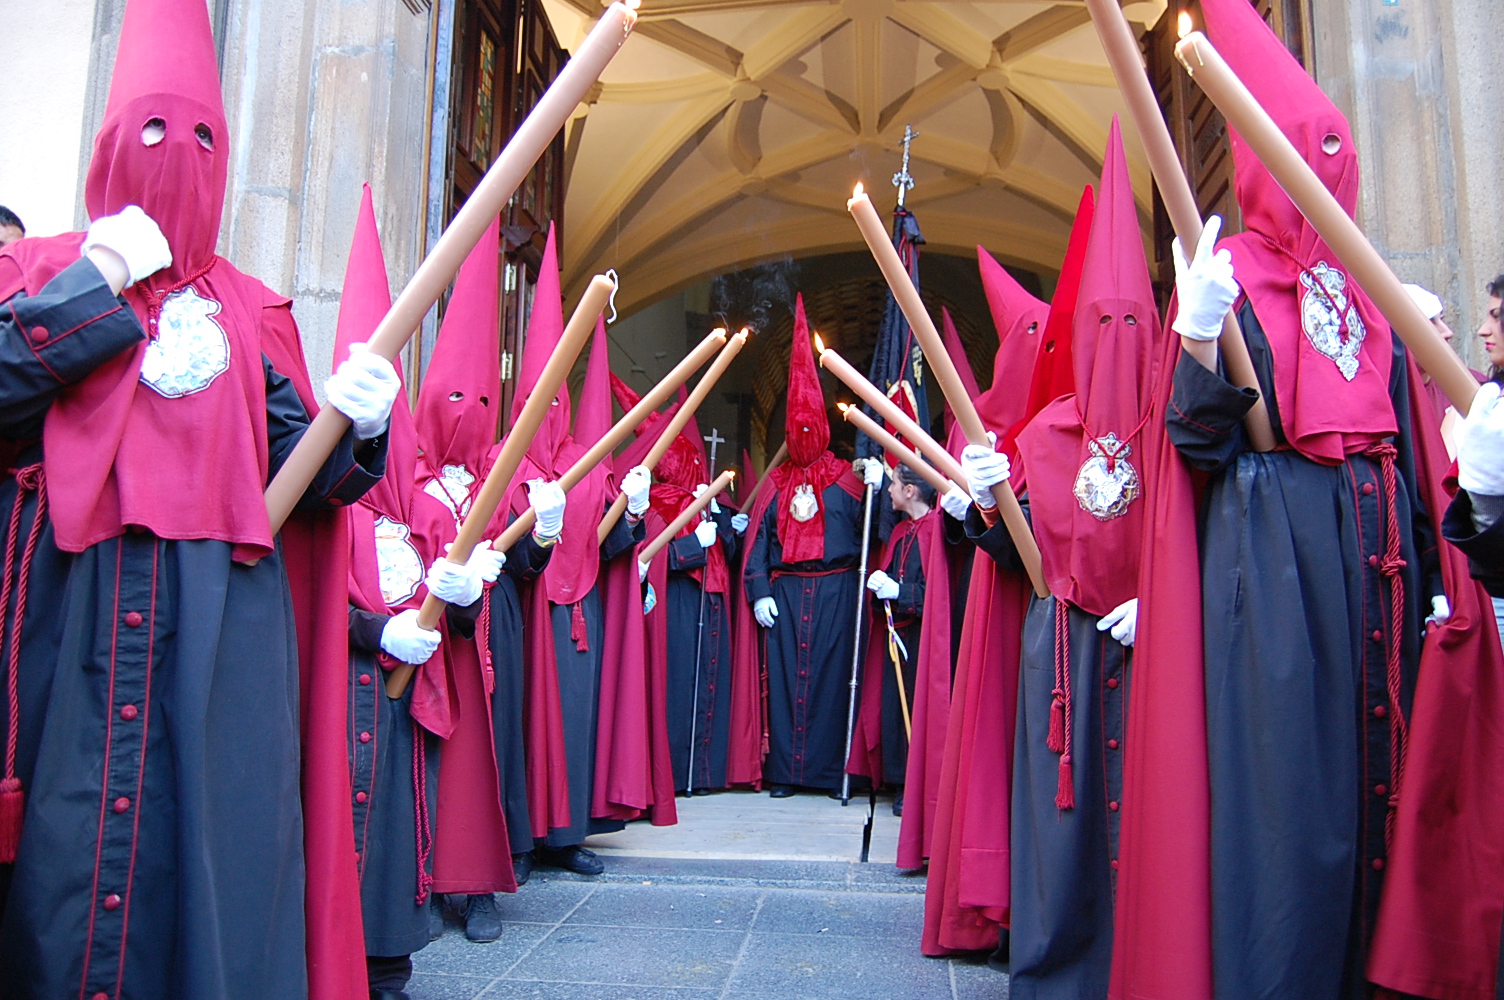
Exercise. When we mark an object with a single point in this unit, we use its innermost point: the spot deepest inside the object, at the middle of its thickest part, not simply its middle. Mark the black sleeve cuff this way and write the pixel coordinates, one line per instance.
(74, 324)
(365, 630)
(685, 554)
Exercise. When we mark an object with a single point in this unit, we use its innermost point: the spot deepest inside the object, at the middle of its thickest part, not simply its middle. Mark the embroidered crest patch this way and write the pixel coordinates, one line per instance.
(1107, 482)
(1332, 323)
(452, 489)
(804, 505)
(397, 559)
(190, 350)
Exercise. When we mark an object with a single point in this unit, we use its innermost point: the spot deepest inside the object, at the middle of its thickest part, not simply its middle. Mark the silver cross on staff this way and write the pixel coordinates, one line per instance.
(713, 439)
(903, 180)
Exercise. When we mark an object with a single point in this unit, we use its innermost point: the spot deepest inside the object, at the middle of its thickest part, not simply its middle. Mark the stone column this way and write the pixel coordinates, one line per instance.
(321, 98)
(1419, 80)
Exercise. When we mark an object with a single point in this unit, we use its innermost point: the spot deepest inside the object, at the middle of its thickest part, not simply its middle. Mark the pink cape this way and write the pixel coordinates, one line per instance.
(1438, 929)
(471, 852)
(316, 552)
(1163, 945)
(634, 775)
(929, 702)
(749, 712)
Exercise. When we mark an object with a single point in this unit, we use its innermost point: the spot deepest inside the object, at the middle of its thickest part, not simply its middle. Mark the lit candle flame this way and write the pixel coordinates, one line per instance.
(1186, 25)
(633, 4)
(856, 192)
(843, 407)
(746, 331)
(819, 345)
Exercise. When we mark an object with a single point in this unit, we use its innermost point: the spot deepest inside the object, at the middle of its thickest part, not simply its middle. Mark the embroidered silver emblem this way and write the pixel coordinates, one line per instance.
(1105, 488)
(452, 489)
(190, 350)
(804, 505)
(398, 561)
(1331, 322)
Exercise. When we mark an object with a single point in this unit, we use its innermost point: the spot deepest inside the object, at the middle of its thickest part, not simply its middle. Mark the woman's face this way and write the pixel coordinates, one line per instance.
(1492, 333)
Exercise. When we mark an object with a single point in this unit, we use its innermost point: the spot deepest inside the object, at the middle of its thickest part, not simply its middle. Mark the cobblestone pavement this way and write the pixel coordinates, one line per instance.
(676, 929)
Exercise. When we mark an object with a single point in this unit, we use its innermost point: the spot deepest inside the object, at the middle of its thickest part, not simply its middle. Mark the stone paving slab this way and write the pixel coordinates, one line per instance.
(606, 940)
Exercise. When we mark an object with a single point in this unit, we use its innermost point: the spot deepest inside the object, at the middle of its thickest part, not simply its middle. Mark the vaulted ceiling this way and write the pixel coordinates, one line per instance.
(727, 132)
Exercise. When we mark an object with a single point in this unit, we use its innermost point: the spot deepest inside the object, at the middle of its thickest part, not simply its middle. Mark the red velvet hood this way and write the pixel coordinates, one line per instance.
(1331, 346)
(1019, 318)
(365, 299)
(461, 391)
(165, 69)
(1083, 452)
(809, 465)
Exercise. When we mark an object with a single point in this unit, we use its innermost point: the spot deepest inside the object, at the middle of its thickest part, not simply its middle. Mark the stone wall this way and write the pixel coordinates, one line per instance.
(323, 97)
(44, 76)
(1420, 81)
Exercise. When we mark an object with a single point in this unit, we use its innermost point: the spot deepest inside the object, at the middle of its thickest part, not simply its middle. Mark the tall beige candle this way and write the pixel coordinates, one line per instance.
(675, 425)
(944, 372)
(438, 269)
(897, 449)
(597, 452)
(505, 467)
(689, 513)
(1180, 202)
(1207, 67)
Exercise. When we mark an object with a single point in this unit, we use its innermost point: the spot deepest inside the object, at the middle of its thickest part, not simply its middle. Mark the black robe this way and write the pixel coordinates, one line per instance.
(384, 775)
(579, 693)
(908, 611)
(705, 716)
(525, 561)
(163, 846)
(809, 647)
(1297, 630)
(1063, 885)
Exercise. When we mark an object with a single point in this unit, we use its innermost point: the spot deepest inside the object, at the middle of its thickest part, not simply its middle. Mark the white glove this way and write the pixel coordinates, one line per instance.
(984, 469)
(461, 585)
(715, 508)
(134, 237)
(642, 571)
(872, 472)
(1205, 286)
(1441, 610)
(739, 523)
(484, 560)
(636, 485)
(705, 533)
(1123, 621)
(1480, 444)
(883, 586)
(548, 504)
(364, 389)
(405, 639)
(955, 503)
(764, 609)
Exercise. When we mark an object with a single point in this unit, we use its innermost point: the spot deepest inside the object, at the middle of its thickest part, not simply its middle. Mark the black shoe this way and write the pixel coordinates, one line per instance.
(482, 922)
(578, 860)
(835, 793)
(780, 791)
(702, 791)
(389, 995)
(898, 806)
(998, 960)
(435, 916)
(522, 867)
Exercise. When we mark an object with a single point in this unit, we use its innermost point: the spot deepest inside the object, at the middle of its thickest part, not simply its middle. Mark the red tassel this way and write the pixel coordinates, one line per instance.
(1056, 739)
(578, 631)
(12, 811)
(1065, 793)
